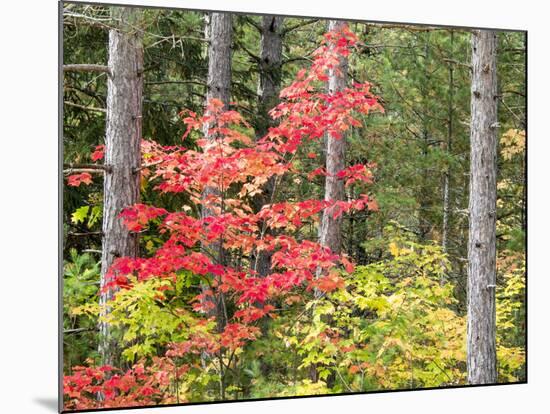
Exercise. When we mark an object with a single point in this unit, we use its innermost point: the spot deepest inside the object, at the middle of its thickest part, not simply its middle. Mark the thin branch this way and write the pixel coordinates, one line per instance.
(87, 92)
(248, 52)
(510, 110)
(298, 26)
(136, 170)
(385, 46)
(510, 92)
(87, 108)
(252, 23)
(71, 166)
(175, 41)
(78, 330)
(85, 22)
(296, 59)
(167, 82)
(83, 16)
(409, 27)
(443, 371)
(82, 170)
(91, 233)
(343, 380)
(306, 57)
(456, 62)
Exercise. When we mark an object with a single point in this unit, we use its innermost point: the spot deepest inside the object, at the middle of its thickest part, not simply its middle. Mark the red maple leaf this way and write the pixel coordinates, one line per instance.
(76, 179)
(99, 153)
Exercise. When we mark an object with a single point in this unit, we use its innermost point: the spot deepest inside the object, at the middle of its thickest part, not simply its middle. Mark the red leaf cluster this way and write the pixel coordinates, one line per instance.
(98, 153)
(235, 168)
(137, 386)
(76, 179)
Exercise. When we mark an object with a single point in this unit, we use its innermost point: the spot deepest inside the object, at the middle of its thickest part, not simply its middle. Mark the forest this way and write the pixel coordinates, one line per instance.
(264, 206)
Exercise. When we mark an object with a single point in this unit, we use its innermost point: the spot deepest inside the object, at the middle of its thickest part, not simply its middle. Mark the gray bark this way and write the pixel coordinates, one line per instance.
(481, 343)
(219, 32)
(122, 154)
(85, 68)
(269, 85)
(330, 233)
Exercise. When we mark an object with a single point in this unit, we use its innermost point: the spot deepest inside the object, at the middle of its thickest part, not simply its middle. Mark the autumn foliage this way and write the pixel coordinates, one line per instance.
(237, 166)
(195, 318)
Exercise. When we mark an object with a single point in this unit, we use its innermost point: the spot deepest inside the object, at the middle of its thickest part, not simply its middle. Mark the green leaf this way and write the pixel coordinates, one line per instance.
(324, 373)
(80, 214)
(96, 214)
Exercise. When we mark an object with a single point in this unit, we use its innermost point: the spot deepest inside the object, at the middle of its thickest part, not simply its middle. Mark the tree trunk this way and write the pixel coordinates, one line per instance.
(330, 230)
(219, 33)
(122, 154)
(481, 343)
(269, 85)
(220, 30)
(330, 234)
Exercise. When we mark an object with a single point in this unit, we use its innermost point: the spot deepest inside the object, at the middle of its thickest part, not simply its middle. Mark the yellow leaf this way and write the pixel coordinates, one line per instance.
(394, 250)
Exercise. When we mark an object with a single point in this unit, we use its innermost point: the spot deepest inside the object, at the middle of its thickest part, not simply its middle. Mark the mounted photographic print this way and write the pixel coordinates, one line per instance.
(267, 206)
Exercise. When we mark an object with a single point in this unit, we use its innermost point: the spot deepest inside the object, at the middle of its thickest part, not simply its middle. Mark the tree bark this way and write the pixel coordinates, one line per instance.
(330, 230)
(219, 32)
(481, 342)
(269, 85)
(330, 234)
(84, 67)
(122, 154)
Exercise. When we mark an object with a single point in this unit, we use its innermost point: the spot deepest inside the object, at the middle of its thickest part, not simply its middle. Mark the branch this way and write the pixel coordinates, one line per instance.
(456, 62)
(295, 59)
(306, 57)
(343, 380)
(510, 110)
(92, 251)
(86, 23)
(172, 38)
(89, 20)
(252, 23)
(512, 93)
(165, 82)
(72, 166)
(297, 26)
(87, 108)
(86, 67)
(82, 170)
(360, 47)
(136, 170)
(91, 233)
(409, 27)
(78, 330)
(87, 92)
(248, 52)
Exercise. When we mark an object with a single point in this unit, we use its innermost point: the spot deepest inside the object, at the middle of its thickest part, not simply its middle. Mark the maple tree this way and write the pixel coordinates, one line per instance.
(238, 167)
